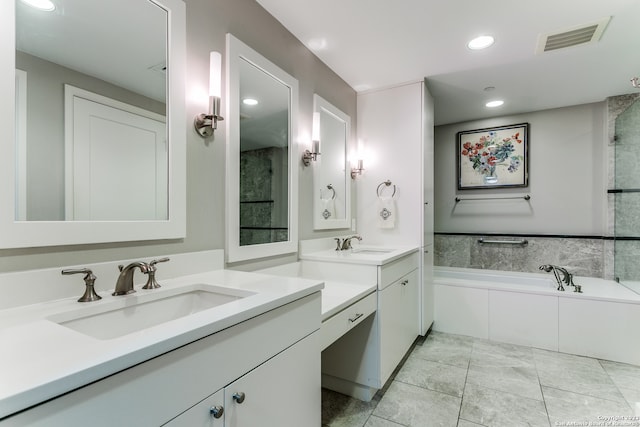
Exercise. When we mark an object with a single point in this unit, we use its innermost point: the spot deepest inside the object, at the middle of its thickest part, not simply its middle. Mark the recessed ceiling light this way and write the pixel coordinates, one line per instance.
(481, 42)
(493, 104)
(250, 101)
(46, 5)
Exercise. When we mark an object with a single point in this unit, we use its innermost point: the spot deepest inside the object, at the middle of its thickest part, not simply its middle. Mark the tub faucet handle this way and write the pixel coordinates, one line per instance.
(339, 242)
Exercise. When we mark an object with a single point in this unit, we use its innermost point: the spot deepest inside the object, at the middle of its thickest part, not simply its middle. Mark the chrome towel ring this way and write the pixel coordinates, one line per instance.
(330, 187)
(386, 183)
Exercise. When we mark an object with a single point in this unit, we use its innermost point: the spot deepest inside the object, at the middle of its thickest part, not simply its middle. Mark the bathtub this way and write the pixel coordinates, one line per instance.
(527, 309)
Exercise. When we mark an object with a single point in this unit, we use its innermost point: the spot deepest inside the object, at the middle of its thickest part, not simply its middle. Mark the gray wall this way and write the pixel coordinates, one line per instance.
(567, 177)
(568, 157)
(207, 23)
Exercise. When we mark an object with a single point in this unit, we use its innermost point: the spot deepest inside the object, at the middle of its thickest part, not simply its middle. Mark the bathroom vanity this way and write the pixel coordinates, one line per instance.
(220, 365)
(362, 359)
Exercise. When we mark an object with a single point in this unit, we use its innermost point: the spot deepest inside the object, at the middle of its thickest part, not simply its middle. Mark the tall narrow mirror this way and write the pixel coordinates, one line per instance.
(96, 120)
(331, 179)
(261, 170)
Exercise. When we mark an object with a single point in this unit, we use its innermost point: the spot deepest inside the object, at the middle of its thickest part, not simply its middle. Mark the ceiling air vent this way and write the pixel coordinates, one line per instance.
(589, 33)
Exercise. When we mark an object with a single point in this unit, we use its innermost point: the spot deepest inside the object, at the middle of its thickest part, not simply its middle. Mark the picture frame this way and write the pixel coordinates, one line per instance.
(495, 157)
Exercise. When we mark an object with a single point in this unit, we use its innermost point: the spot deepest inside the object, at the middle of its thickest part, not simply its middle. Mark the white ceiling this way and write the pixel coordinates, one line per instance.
(373, 44)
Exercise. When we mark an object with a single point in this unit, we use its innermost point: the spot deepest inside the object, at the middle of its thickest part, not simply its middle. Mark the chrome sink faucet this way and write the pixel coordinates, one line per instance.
(124, 285)
(346, 243)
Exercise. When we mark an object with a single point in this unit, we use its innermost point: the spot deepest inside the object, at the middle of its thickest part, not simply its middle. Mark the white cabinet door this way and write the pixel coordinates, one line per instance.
(282, 392)
(208, 413)
(399, 319)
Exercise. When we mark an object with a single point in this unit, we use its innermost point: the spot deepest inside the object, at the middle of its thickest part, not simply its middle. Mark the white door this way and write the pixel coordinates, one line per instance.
(118, 158)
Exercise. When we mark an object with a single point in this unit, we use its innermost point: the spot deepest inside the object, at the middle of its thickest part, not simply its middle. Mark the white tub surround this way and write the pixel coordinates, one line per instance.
(527, 309)
(73, 359)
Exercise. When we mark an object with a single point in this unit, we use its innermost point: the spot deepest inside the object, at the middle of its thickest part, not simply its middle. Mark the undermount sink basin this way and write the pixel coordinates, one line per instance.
(372, 251)
(141, 311)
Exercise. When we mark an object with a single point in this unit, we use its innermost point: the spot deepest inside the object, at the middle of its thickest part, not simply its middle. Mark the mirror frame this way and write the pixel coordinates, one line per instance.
(22, 234)
(321, 105)
(237, 51)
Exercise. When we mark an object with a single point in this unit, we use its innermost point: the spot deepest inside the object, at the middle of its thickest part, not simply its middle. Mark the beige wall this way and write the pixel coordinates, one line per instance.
(207, 23)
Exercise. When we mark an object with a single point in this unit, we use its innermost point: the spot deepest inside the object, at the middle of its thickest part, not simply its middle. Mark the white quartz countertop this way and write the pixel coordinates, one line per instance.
(336, 296)
(361, 254)
(41, 359)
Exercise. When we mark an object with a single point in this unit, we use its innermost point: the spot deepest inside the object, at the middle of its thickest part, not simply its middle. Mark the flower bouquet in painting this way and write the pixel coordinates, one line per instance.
(494, 157)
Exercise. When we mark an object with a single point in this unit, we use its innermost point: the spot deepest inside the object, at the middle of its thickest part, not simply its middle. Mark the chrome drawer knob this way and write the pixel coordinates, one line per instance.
(216, 411)
(238, 397)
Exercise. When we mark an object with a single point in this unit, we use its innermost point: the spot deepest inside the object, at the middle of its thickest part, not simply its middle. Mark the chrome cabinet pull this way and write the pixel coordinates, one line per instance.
(216, 411)
(356, 317)
(238, 397)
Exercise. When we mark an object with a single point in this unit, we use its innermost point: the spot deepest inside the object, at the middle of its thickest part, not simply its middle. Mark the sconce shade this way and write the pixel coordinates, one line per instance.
(206, 123)
(215, 74)
(315, 128)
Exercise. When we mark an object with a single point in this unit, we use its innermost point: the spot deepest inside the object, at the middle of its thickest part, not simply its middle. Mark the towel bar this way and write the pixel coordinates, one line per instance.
(504, 242)
(527, 197)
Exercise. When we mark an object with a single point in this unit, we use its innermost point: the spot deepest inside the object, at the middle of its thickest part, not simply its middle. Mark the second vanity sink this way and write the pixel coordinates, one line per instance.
(372, 251)
(140, 311)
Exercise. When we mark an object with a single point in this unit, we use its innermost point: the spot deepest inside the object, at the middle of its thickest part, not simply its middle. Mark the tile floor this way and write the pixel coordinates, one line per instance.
(451, 380)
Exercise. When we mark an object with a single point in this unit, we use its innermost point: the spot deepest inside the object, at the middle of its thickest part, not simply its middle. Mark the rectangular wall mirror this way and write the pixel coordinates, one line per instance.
(96, 117)
(331, 174)
(262, 166)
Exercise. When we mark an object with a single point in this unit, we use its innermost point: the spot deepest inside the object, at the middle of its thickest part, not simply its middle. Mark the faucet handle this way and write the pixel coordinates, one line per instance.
(339, 242)
(89, 281)
(156, 261)
(152, 283)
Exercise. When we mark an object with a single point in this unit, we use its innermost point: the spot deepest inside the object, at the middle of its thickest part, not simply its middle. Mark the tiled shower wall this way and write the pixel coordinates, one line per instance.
(593, 257)
(581, 256)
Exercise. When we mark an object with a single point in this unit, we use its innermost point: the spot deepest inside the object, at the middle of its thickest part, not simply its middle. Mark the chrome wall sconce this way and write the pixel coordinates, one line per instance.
(308, 156)
(357, 171)
(207, 123)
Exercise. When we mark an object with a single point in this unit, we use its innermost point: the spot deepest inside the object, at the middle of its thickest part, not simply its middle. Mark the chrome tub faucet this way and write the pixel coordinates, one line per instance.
(567, 278)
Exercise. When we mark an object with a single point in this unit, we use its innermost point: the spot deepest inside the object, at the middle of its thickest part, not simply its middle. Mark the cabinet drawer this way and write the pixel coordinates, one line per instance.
(389, 273)
(338, 325)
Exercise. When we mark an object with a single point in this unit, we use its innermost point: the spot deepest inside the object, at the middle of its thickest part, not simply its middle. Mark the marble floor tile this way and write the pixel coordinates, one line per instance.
(633, 399)
(339, 410)
(622, 374)
(465, 423)
(501, 355)
(576, 374)
(432, 375)
(565, 407)
(374, 421)
(520, 381)
(412, 406)
(448, 349)
(496, 408)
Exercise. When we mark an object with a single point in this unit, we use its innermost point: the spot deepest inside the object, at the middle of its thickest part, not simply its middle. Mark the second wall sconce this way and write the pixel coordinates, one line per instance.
(308, 156)
(357, 171)
(207, 123)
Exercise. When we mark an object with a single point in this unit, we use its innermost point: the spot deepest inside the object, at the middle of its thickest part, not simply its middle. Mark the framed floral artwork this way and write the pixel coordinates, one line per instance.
(493, 157)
